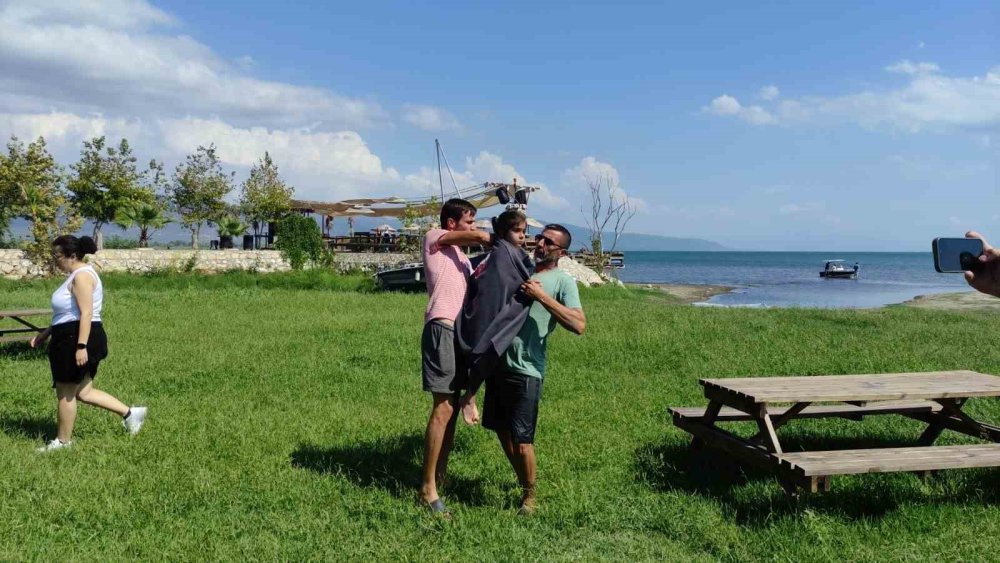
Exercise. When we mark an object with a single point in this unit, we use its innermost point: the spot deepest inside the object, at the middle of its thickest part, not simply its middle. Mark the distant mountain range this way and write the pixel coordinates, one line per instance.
(174, 232)
(642, 242)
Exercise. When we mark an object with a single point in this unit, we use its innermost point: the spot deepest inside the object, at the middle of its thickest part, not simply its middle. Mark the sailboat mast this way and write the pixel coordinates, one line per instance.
(437, 148)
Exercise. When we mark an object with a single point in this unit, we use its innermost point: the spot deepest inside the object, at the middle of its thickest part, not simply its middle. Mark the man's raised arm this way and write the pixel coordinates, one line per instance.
(464, 238)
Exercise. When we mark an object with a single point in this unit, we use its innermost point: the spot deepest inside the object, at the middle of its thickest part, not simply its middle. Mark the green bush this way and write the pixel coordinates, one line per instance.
(300, 242)
(120, 243)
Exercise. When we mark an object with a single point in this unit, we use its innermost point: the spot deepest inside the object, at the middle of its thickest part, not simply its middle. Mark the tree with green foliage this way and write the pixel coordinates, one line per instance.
(198, 189)
(148, 217)
(107, 180)
(416, 222)
(31, 187)
(264, 196)
(301, 242)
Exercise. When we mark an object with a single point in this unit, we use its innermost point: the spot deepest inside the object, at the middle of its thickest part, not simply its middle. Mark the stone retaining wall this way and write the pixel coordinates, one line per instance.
(14, 264)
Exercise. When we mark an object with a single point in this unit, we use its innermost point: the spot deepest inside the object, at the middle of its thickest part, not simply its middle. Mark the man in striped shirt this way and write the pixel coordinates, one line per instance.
(444, 374)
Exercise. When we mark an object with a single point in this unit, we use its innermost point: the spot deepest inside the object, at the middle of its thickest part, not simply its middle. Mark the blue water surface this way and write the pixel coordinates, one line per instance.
(791, 279)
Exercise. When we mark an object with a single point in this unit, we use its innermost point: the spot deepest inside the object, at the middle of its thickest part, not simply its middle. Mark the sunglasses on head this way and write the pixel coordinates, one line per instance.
(548, 241)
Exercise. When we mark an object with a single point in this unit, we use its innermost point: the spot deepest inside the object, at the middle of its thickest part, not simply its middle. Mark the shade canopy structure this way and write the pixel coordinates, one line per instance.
(487, 224)
(482, 195)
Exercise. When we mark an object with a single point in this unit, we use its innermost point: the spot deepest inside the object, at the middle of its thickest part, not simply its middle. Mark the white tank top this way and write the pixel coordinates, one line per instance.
(64, 306)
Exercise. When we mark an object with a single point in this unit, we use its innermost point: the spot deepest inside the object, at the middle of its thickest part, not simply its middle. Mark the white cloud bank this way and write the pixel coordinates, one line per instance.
(430, 118)
(929, 100)
(121, 68)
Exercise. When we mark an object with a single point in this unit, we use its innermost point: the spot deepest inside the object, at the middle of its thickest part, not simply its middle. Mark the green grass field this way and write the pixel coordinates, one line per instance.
(286, 422)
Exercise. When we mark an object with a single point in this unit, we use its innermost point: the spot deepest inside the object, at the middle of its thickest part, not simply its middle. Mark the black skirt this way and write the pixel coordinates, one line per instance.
(62, 352)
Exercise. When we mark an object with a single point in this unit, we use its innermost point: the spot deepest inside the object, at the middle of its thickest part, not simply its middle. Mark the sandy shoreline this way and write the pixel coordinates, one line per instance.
(958, 301)
(686, 292)
(964, 301)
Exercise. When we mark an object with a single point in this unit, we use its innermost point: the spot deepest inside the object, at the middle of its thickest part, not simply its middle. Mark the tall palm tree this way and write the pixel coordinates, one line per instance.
(147, 216)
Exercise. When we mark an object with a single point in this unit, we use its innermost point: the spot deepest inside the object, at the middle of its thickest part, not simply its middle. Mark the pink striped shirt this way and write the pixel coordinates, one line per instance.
(447, 271)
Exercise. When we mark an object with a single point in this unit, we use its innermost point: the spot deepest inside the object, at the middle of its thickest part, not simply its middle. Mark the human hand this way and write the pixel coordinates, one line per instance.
(38, 340)
(81, 358)
(533, 289)
(987, 279)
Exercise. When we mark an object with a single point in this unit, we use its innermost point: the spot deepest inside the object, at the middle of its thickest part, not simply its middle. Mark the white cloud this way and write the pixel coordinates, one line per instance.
(65, 131)
(321, 165)
(769, 92)
(116, 58)
(113, 14)
(430, 118)
(906, 67)
(726, 105)
(590, 169)
(928, 100)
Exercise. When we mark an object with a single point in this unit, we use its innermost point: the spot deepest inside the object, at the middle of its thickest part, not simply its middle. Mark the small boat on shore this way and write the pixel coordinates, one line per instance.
(407, 277)
(837, 269)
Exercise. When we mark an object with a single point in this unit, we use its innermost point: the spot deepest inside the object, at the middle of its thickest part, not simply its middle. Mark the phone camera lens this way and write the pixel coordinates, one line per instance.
(968, 261)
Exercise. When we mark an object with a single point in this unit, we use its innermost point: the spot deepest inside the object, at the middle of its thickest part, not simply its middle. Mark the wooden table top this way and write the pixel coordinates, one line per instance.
(25, 313)
(875, 387)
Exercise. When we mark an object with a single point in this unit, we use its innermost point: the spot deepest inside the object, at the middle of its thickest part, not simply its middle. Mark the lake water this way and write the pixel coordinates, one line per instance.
(791, 279)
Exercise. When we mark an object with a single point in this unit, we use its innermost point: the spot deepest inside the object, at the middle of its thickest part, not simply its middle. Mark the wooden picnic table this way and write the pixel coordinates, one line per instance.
(28, 331)
(935, 398)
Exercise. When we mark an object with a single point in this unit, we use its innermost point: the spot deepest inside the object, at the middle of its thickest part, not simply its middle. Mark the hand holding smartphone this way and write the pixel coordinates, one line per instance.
(956, 255)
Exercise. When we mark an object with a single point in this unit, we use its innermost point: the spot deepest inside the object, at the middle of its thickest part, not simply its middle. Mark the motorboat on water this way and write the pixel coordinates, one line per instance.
(838, 269)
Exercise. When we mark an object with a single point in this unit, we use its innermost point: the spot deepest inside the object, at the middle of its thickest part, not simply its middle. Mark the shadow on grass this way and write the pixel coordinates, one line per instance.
(674, 466)
(21, 351)
(27, 427)
(391, 464)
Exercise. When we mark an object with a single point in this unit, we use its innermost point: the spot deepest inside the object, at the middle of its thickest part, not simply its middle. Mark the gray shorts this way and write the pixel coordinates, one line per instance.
(443, 366)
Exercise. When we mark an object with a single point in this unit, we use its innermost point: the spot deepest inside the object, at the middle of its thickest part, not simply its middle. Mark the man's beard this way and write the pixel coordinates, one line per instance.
(545, 260)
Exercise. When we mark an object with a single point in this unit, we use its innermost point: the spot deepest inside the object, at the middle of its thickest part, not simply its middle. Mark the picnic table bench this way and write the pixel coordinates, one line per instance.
(27, 331)
(935, 398)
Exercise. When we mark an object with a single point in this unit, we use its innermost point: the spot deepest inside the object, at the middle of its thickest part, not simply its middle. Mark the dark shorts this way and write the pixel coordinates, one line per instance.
(511, 405)
(62, 352)
(443, 367)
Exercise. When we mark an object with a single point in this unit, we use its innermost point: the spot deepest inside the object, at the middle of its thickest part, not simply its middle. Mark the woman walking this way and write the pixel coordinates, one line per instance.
(79, 342)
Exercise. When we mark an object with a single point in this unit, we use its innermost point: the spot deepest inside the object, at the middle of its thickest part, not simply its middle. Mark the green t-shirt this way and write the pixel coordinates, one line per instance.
(526, 354)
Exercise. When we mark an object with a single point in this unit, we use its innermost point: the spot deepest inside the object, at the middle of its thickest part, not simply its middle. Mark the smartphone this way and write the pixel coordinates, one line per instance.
(957, 254)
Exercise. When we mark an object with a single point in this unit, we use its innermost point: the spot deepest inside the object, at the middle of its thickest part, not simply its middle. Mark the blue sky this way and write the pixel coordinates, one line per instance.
(775, 126)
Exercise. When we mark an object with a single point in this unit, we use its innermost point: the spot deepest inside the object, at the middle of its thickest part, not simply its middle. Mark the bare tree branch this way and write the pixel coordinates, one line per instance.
(609, 205)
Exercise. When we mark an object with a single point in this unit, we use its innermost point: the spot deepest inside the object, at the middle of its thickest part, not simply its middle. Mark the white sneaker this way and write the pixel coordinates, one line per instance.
(134, 421)
(55, 444)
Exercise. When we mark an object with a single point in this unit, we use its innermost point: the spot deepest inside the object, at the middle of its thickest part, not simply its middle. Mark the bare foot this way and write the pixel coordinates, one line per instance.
(470, 414)
(528, 503)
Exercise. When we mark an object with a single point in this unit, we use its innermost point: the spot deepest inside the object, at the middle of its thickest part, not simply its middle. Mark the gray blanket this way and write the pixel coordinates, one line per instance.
(494, 310)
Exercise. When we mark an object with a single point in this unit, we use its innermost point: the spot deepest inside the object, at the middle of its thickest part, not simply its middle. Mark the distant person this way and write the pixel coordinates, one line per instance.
(447, 270)
(510, 405)
(79, 342)
(987, 279)
(857, 268)
(495, 308)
